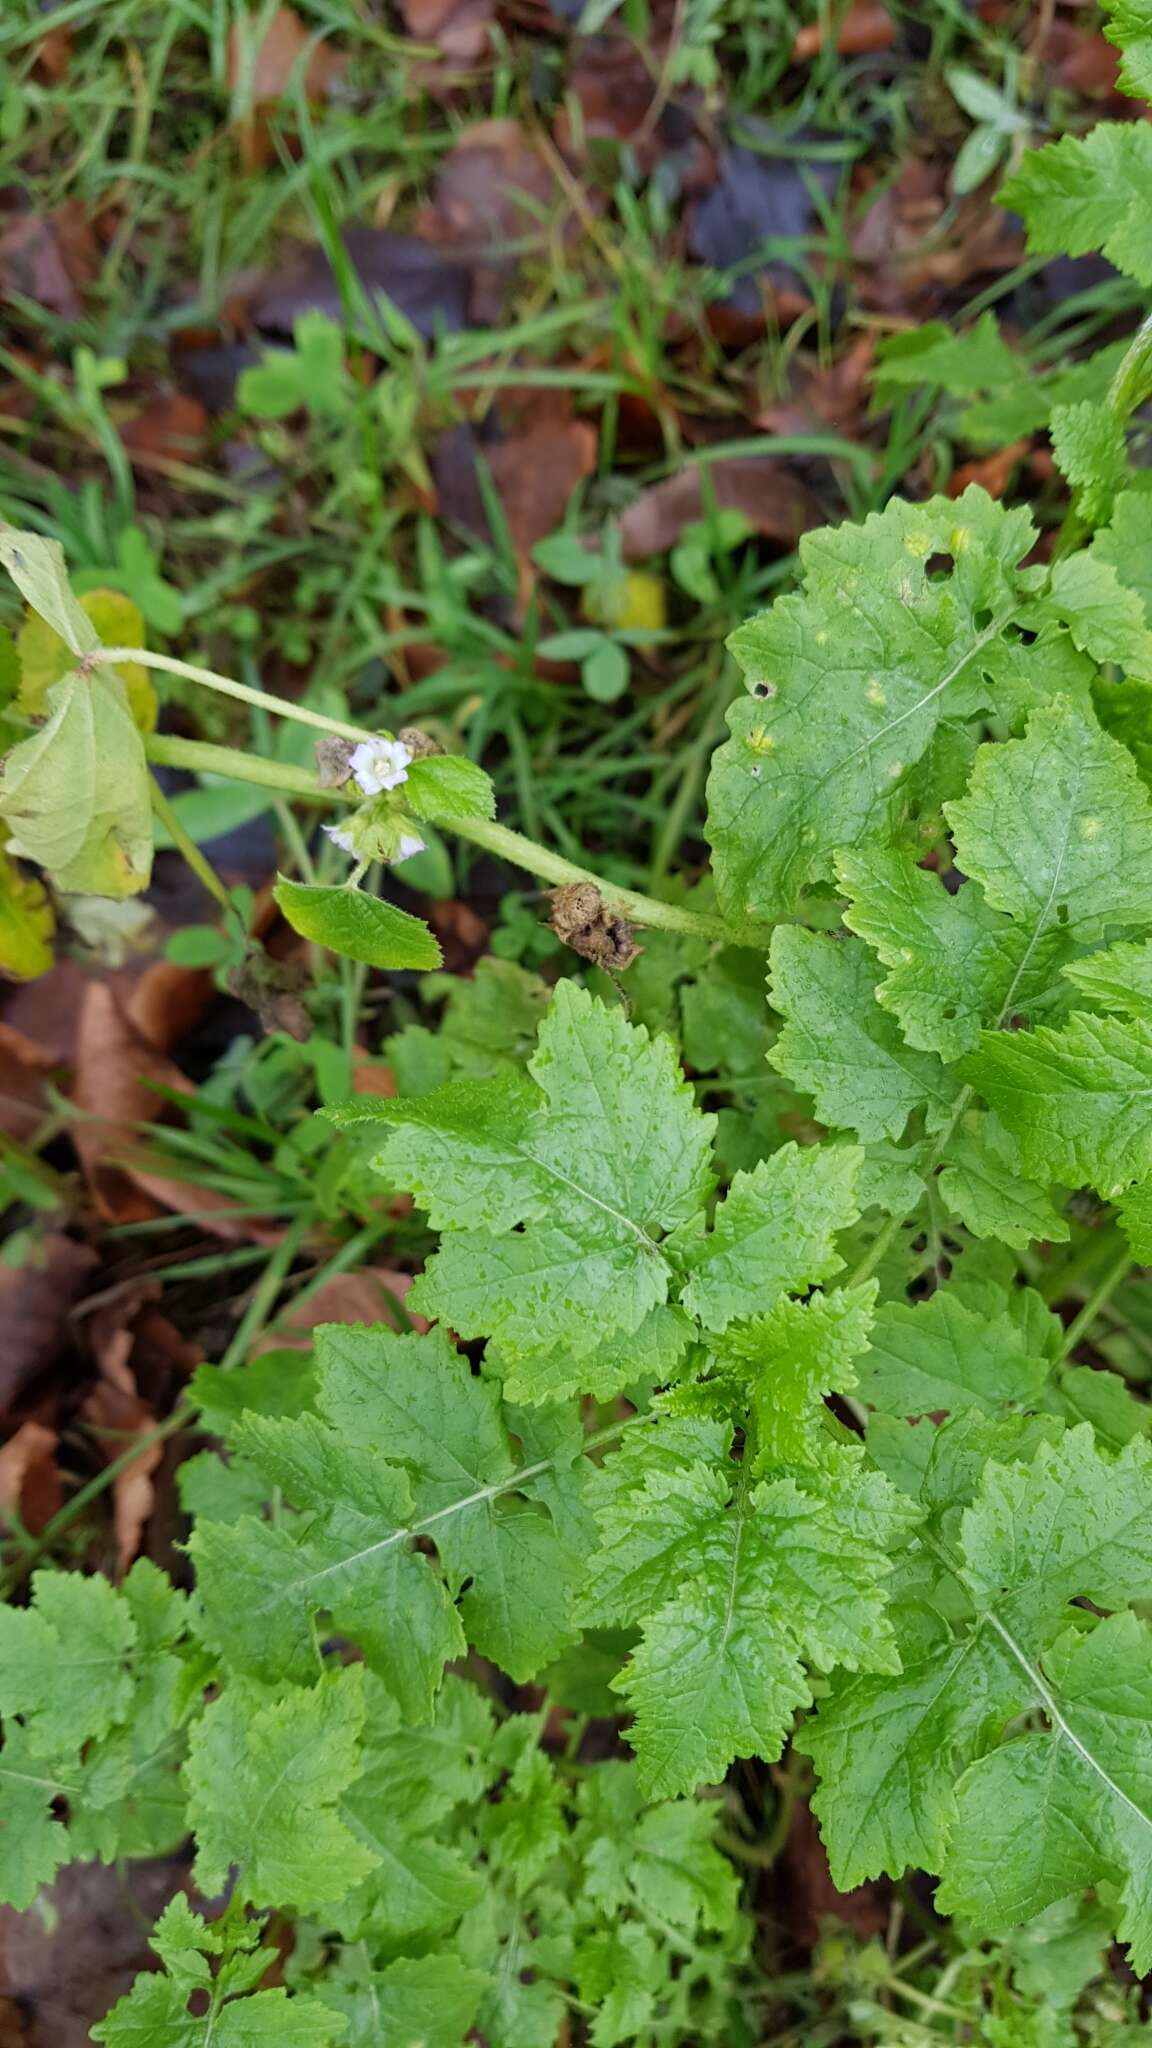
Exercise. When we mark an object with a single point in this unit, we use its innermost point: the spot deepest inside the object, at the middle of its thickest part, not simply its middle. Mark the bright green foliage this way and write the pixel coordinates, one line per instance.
(1126, 544)
(1078, 1101)
(918, 1770)
(940, 1355)
(410, 1444)
(1129, 26)
(360, 926)
(1091, 452)
(1105, 618)
(1084, 194)
(264, 1774)
(441, 787)
(221, 1963)
(734, 1587)
(312, 374)
(840, 1046)
(92, 1697)
(788, 1378)
(849, 682)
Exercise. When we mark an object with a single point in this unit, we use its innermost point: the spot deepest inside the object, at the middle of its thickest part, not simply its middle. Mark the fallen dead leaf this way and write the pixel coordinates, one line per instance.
(913, 245)
(261, 75)
(369, 1076)
(35, 1300)
(24, 1068)
(759, 200)
(54, 54)
(810, 1895)
(363, 1297)
(30, 1477)
(865, 28)
(993, 472)
(536, 473)
(495, 199)
(116, 1060)
(459, 29)
(172, 427)
(257, 76)
(613, 88)
(33, 265)
(773, 501)
(119, 1416)
(67, 1963)
(430, 288)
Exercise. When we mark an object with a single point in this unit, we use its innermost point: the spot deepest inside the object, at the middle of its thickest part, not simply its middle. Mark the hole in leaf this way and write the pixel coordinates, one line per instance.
(938, 566)
(199, 2003)
(982, 619)
(763, 689)
(949, 1012)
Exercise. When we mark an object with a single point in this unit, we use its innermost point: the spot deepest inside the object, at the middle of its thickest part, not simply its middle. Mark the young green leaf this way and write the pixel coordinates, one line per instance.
(848, 683)
(839, 1045)
(1088, 194)
(359, 926)
(264, 1775)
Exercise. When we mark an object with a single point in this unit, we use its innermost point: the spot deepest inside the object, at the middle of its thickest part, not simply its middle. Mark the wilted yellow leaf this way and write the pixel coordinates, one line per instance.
(26, 923)
(45, 657)
(76, 796)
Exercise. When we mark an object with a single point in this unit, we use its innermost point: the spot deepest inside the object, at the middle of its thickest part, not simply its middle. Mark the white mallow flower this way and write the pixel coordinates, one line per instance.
(340, 838)
(410, 843)
(380, 764)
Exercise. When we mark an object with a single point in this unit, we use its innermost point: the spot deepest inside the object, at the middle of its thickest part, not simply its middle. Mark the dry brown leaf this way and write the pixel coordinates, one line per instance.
(115, 1412)
(993, 472)
(536, 473)
(495, 200)
(459, 29)
(172, 427)
(29, 1475)
(67, 1963)
(115, 1062)
(865, 28)
(363, 1297)
(772, 500)
(810, 1895)
(24, 1068)
(35, 1300)
(32, 264)
(265, 75)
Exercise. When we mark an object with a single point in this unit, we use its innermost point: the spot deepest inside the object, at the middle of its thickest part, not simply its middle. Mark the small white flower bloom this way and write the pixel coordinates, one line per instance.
(410, 843)
(340, 838)
(380, 764)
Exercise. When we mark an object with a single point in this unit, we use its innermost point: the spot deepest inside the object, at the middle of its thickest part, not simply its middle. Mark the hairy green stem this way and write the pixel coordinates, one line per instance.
(109, 657)
(483, 832)
(1101, 1293)
(185, 844)
(165, 750)
(1133, 380)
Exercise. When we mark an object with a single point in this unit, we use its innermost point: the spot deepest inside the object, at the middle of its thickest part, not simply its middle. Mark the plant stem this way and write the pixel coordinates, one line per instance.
(1133, 380)
(1102, 1292)
(484, 832)
(552, 867)
(108, 657)
(167, 751)
(183, 840)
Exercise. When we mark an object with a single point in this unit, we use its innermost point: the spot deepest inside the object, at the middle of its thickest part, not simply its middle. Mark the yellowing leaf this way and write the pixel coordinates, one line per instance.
(75, 796)
(26, 923)
(45, 656)
(635, 602)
